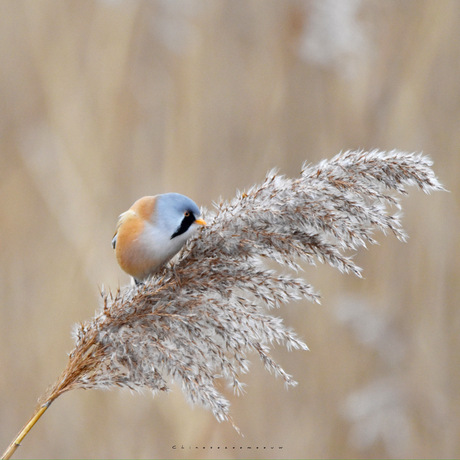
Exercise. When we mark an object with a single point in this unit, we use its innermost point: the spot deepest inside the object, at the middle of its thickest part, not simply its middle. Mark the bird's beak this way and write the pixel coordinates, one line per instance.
(200, 222)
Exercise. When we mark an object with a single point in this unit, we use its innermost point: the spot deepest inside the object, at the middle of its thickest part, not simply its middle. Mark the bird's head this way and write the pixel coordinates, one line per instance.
(177, 215)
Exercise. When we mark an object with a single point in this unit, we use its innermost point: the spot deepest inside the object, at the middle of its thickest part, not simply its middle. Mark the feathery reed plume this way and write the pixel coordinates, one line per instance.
(198, 318)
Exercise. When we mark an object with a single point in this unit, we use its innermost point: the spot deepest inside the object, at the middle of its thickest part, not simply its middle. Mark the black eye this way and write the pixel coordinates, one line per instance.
(186, 213)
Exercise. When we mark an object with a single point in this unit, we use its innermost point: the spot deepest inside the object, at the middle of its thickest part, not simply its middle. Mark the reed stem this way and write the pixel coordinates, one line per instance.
(27, 427)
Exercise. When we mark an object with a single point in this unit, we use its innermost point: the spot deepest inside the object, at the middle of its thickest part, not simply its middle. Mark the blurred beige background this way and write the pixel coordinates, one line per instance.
(105, 101)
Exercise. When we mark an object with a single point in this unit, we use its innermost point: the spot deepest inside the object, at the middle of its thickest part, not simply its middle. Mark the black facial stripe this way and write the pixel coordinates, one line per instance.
(187, 221)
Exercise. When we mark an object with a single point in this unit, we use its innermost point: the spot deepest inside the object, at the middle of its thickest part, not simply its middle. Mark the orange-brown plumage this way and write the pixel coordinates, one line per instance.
(144, 207)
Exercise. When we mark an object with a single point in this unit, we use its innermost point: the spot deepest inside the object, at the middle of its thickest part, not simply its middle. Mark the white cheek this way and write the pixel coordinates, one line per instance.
(180, 240)
(158, 244)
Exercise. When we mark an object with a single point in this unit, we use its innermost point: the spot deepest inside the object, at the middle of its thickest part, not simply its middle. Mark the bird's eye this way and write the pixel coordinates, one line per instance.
(186, 213)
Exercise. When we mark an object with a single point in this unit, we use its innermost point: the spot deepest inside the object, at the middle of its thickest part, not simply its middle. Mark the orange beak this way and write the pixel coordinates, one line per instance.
(200, 222)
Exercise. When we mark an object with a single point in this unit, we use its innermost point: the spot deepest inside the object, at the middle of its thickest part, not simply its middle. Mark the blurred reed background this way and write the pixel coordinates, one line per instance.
(105, 101)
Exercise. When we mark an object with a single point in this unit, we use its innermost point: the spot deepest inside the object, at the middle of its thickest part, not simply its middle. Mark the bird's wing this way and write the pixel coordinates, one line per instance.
(121, 219)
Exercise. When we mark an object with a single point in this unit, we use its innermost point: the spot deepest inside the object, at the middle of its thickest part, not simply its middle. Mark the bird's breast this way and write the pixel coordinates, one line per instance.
(142, 248)
(134, 252)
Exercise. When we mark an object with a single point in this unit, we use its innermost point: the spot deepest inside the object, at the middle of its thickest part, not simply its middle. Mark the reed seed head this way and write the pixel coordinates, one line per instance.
(198, 318)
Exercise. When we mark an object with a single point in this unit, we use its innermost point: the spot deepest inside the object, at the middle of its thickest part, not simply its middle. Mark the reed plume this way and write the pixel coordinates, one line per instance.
(199, 317)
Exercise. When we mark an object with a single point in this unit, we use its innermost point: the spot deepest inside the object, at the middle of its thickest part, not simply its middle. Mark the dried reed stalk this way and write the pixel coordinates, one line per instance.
(198, 318)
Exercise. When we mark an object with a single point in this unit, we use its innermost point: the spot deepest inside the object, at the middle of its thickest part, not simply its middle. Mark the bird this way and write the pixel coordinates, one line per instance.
(152, 231)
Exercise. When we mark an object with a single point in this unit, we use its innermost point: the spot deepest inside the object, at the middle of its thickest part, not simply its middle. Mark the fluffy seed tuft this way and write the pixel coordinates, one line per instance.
(198, 318)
